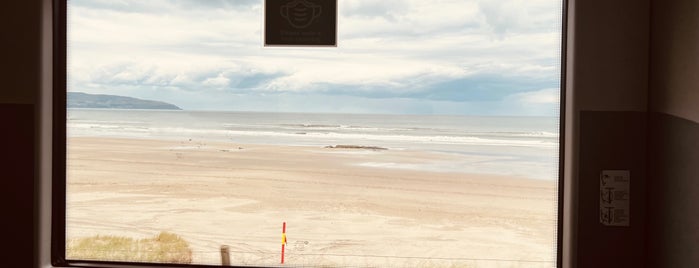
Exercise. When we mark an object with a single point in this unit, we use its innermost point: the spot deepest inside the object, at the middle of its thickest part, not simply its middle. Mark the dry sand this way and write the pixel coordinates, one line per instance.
(339, 210)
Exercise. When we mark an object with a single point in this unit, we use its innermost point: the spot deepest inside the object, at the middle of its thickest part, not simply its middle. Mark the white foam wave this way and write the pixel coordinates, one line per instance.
(350, 137)
(456, 140)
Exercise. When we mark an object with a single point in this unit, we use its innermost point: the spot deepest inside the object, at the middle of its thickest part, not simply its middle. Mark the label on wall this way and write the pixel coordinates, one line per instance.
(300, 23)
(614, 188)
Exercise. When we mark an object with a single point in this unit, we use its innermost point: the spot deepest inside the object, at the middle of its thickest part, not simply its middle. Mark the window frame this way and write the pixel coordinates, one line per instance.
(58, 149)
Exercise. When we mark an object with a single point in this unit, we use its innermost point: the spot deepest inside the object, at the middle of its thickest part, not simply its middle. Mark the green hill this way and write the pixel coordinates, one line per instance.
(84, 100)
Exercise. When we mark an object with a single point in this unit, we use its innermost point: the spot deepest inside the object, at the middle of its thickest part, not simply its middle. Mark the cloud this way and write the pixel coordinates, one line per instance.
(368, 8)
(411, 55)
(396, 20)
(219, 81)
(162, 6)
(507, 17)
(536, 102)
(543, 96)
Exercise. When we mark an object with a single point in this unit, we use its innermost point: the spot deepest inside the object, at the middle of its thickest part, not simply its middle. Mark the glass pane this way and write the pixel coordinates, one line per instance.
(427, 138)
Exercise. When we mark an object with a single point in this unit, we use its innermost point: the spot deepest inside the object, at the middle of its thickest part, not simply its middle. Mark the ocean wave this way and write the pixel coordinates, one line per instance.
(534, 134)
(101, 126)
(340, 127)
(356, 137)
(544, 134)
(529, 139)
(311, 125)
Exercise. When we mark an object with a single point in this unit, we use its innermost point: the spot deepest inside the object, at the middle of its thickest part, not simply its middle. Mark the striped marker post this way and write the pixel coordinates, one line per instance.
(283, 240)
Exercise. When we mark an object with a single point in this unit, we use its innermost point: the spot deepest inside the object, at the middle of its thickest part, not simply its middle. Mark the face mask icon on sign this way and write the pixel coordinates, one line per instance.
(300, 13)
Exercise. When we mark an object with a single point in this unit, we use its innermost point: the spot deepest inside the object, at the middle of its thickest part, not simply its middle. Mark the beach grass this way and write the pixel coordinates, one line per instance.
(163, 248)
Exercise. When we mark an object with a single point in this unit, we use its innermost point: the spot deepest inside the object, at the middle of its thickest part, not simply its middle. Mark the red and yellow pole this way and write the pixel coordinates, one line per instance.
(283, 240)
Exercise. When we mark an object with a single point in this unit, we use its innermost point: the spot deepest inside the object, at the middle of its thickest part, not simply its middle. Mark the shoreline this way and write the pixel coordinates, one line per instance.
(215, 193)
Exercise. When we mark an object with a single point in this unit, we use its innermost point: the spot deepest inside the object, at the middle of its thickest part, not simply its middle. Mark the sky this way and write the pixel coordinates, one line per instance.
(470, 57)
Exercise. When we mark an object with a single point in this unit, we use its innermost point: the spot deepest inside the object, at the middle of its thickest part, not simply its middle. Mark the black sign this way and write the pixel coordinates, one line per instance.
(300, 22)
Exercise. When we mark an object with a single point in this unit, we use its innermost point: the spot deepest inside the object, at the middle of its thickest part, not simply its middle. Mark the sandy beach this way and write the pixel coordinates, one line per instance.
(343, 206)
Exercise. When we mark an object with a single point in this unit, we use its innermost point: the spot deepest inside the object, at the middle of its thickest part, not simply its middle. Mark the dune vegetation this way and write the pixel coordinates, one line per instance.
(162, 248)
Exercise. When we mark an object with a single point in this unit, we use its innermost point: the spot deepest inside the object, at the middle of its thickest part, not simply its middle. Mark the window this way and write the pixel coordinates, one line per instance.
(428, 137)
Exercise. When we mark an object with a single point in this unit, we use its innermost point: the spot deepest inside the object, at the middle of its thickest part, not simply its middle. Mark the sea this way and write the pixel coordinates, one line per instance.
(501, 145)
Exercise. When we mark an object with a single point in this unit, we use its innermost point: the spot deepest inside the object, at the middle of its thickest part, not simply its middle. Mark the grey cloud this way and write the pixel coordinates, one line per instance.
(120, 6)
(245, 80)
(481, 87)
(484, 87)
(505, 17)
(216, 4)
(162, 6)
(241, 81)
(386, 9)
(257, 80)
(495, 16)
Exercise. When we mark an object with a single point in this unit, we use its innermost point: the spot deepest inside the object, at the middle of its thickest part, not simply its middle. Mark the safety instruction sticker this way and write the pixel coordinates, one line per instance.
(300, 23)
(615, 195)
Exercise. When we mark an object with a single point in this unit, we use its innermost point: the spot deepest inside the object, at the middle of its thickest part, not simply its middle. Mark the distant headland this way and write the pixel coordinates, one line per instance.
(85, 100)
